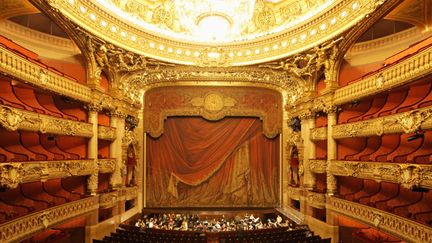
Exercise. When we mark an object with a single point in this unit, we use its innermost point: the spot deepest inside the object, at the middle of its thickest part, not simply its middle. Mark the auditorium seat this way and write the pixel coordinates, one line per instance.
(31, 141)
(27, 96)
(394, 100)
(388, 191)
(373, 144)
(416, 94)
(377, 104)
(390, 143)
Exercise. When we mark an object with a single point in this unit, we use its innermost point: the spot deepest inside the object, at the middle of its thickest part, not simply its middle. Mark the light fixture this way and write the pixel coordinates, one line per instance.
(214, 20)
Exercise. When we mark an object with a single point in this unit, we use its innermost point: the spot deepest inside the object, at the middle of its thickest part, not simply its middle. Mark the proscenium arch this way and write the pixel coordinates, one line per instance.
(213, 103)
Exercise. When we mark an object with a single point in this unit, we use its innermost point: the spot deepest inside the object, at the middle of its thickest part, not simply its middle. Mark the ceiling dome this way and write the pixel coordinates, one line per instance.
(182, 19)
(216, 32)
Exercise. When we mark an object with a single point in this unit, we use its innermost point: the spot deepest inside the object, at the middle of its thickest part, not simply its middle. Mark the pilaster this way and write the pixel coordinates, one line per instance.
(92, 148)
(117, 121)
(307, 123)
(331, 151)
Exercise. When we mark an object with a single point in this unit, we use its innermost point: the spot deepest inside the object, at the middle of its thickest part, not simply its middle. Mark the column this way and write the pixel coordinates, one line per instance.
(331, 150)
(284, 161)
(118, 122)
(307, 123)
(141, 162)
(92, 148)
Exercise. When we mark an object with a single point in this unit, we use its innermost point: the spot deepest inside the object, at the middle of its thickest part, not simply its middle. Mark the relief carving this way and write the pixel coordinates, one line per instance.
(10, 119)
(213, 103)
(317, 166)
(412, 120)
(10, 175)
(408, 175)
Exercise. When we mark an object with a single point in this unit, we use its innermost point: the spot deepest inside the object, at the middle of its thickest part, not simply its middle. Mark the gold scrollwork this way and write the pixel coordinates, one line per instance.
(10, 118)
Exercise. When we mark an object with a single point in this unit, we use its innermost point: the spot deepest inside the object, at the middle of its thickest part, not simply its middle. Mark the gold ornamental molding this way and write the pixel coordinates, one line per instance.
(243, 76)
(23, 227)
(408, 175)
(317, 166)
(107, 133)
(400, 73)
(339, 17)
(129, 193)
(212, 103)
(17, 119)
(15, 173)
(400, 227)
(295, 193)
(107, 165)
(20, 68)
(316, 199)
(319, 134)
(407, 122)
(109, 199)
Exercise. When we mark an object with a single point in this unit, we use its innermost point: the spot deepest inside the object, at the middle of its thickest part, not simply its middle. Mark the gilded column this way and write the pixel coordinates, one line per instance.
(331, 149)
(307, 123)
(284, 161)
(117, 121)
(92, 148)
(141, 173)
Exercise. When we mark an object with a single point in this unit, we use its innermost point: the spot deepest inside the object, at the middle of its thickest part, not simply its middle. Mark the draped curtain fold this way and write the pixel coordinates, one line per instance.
(204, 163)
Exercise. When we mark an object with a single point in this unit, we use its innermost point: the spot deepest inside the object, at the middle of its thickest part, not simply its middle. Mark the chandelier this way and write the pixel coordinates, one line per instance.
(214, 20)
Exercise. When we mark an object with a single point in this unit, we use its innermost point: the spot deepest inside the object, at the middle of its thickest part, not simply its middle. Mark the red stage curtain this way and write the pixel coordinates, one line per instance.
(202, 163)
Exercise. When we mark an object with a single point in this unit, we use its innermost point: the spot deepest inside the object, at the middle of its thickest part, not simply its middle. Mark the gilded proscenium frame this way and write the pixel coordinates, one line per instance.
(23, 227)
(339, 18)
(213, 103)
(406, 174)
(400, 227)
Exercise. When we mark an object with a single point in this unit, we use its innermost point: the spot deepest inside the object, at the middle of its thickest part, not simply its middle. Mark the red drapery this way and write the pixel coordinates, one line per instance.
(203, 163)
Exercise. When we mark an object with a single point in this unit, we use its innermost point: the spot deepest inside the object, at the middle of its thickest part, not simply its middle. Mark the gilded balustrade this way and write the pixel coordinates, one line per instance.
(316, 200)
(13, 119)
(14, 173)
(23, 227)
(403, 72)
(317, 166)
(107, 165)
(407, 122)
(294, 193)
(107, 133)
(400, 227)
(109, 199)
(319, 134)
(20, 68)
(406, 174)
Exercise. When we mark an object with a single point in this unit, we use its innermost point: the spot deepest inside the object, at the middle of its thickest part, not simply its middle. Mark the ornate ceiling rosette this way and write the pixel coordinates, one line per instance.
(249, 31)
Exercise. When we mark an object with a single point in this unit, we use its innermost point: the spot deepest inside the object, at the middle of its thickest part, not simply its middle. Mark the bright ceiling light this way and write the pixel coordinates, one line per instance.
(214, 20)
(214, 27)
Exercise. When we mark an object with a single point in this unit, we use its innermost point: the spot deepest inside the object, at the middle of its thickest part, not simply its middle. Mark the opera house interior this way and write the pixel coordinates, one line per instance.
(215, 121)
